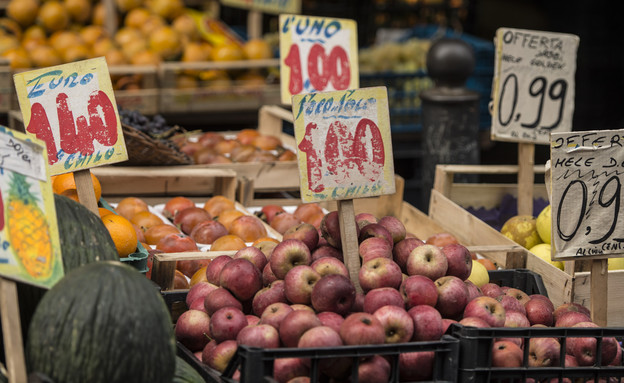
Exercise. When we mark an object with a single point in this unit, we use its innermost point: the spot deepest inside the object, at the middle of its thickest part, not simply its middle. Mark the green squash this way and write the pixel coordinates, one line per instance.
(102, 323)
(84, 238)
(185, 373)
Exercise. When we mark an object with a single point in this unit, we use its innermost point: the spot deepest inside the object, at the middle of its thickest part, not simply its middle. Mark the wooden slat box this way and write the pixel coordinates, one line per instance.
(6, 86)
(449, 199)
(145, 99)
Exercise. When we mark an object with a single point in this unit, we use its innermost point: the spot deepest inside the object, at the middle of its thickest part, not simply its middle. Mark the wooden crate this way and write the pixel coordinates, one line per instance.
(449, 199)
(234, 97)
(145, 99)
(6, 86)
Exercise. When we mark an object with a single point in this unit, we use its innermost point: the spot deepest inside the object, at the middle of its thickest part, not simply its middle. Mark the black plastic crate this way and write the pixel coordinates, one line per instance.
(524, 279)
(256, 364)
(475, 362)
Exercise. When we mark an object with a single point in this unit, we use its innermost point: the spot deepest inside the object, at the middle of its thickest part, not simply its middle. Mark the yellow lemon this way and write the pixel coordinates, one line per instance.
(616, 263)
(543, 251)
(479, 274)
(543, 224)
(522, 230)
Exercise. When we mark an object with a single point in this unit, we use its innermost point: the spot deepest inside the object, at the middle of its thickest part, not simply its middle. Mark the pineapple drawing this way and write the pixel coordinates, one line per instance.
(29, 232)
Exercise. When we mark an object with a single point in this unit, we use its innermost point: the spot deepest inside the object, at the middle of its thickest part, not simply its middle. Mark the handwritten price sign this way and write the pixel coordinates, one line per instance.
(317, 54)
(268, 6)
(344, 147)
(29, 241)
(72, 109)
(587, 170)
(533, 85)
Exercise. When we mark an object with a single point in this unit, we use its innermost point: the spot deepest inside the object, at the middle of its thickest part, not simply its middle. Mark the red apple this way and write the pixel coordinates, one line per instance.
(539, 311)
(295, 324)
(252, 319)
(506, 354)
(382, 296)
(260, 335)
(225, 323)
(363, 219)
(394, 226)
(374, 247)
(335, 293)
(268, 276)
(459, 260)
(207, 350)
(569, 319)
(253, 255)
(402, 250)
(584, 349)
(241, 277)
(221, 354)
(427, 323)
(267, 212)
(213, 269)
(358, 304)
(327, 251)
(288, 254)
(304, 232)
(199, 290)
(518, 294)
(418, 290)
(375, 230)
(331, 319)
(285, 369)
(416, 366)
(330, 229)
(473, 322)
(284, 221)
(207, 231)
(266, 247)
(324, 337)
(198, 304)
(329, 265)
(374, 369)
(544, 352)
(511, 304)
(516, 319)
(275, 313)
(397, 323)
(446, 323)
(452, 296)
(186, 219)
(473, 290)
(220, 298)
(306, 211)
(492, 290)
(268, 295)
(617, 360)
(192, 329)
(380, 272)
(427, 260)
(362, 328)
(545, 299)
(488, 309)
(299, 282)
(572, 306)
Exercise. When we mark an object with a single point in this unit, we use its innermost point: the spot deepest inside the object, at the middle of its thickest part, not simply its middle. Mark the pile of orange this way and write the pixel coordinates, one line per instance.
(65, 184)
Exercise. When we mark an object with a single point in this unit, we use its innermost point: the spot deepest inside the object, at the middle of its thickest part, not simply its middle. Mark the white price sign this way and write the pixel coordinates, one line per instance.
(24, 157)
(533, 86)
(587, 170)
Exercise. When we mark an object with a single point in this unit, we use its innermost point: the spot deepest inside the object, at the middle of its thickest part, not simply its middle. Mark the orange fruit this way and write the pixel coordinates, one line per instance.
(18, 58)
(104, 211)
(227, 52)
(43, 56)
(489, 265)
(227, 216)
(145, 220)
(157, 232)
(136, 17)
(99, 14)
(199, 276)
(265, 239)
(257, 49)
(53, 16)
(71, 193)
(129, 206)
(123, 233)
(23, 11)
(218, 204)
(246, 136)
(64, 183)
(228, 242)
(166, 42)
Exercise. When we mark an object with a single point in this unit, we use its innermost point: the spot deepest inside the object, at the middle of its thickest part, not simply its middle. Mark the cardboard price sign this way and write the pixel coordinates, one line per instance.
(29, 239)
(587, 169)
(72, 109)
(533, 88)
(267, 6)
(317, 54)
(344, 147)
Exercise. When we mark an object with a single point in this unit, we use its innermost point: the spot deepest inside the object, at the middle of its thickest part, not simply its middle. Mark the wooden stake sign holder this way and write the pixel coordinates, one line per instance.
(12, 332)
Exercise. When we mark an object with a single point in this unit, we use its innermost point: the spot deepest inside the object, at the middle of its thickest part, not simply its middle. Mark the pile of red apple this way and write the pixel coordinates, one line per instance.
(300, 295)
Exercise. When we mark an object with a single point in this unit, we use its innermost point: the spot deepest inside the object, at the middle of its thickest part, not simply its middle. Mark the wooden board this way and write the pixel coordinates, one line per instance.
(146, 99)
(6, 86)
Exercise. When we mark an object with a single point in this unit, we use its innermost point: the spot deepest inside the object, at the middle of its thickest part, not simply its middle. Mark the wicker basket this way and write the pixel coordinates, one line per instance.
(143, 150)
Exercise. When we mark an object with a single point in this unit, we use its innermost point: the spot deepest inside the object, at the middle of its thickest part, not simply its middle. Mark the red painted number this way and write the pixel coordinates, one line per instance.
(343, 154)
(76, 135)
(322, 69)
